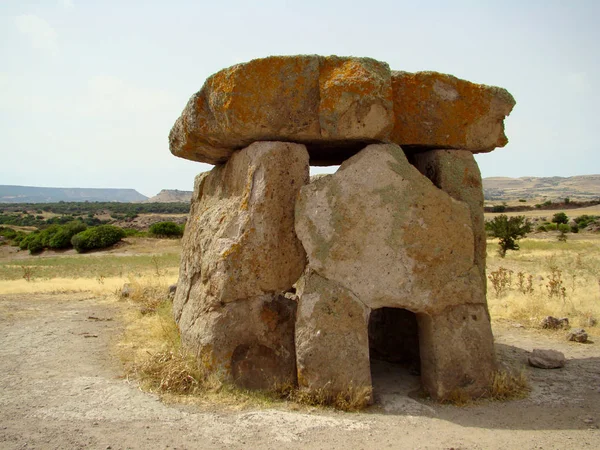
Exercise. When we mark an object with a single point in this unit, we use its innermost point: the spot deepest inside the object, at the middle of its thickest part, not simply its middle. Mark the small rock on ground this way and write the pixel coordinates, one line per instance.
(577, 335)
(546, 359)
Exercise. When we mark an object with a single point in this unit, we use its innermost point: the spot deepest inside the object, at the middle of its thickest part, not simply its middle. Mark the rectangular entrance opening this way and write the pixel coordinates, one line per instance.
(394, 352)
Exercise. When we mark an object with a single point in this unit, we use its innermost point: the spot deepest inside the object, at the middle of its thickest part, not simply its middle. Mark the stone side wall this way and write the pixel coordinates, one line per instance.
(380, 230)
(240, 254)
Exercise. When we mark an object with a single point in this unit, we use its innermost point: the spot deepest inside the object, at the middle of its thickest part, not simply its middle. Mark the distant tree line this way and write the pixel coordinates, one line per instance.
(83, 208)
(564, 204)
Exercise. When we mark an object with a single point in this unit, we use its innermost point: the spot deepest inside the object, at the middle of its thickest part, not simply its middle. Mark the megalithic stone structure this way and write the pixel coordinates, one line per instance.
(283, 281)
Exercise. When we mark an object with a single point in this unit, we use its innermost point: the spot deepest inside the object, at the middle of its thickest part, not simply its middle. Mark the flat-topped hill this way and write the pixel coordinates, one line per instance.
(34, 194)
(582, 187)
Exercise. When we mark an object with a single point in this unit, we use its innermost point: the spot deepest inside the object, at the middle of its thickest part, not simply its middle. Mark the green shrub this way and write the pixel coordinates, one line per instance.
(97, 237)
(560, 218)
(541, 228)
(62, 238)
(166, 229)
(32, 242)
(19, 237)
(574, 228)
(584, 220)
(498, 208)
(24, 243)
(8, 233)
(47, 234)
(35, 245)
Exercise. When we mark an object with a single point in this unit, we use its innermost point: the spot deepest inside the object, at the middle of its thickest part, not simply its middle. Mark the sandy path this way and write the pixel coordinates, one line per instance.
(60, 387)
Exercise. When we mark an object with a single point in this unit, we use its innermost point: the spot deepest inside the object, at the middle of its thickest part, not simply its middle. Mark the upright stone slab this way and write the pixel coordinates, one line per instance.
(457, 351)
(249, 342)
(457, 173)
(383, 230)
(332, 337)
(240, 252)
(383, 233)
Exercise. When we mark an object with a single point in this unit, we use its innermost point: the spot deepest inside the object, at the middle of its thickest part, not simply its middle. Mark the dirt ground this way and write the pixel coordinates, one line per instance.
(61, 388)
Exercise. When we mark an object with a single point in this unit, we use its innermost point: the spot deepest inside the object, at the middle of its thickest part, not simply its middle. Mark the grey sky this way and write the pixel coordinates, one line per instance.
(90, 89)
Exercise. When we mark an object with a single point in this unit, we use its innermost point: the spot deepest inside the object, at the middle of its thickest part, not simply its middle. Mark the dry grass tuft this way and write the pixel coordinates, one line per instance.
(147, 293)
(458, 397)
(505, 386)
(351, 399)
(509, 386)
(171, 371)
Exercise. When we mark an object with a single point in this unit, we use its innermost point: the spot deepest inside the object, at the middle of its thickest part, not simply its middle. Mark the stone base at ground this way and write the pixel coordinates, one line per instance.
(332, 342)
(258, 355)
(457, 351)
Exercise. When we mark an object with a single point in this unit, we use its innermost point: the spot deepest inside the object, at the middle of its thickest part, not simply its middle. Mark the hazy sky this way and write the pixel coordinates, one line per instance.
(89, 89)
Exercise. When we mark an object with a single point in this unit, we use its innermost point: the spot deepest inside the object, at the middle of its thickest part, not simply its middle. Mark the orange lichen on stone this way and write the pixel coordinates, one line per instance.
(253, 101)
(334, 105)
(350, 88)
(436, 110)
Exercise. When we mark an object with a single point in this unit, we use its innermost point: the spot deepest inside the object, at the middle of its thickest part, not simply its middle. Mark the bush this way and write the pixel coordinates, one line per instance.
(584, 220)
(498, 208)
(19, 237)
(97, 237)
(32, 242)
(509, 231)
(62, 238)
(24, 242)
(166, 229)
(8, 233)
(35, 245)
(541, 228)
(560, 218)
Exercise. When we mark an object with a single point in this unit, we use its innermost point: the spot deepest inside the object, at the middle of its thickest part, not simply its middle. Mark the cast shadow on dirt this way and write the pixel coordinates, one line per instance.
(565, 398)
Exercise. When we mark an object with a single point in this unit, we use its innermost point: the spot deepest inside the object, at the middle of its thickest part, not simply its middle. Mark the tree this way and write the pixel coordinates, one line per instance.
(508, 231)
(560, 217)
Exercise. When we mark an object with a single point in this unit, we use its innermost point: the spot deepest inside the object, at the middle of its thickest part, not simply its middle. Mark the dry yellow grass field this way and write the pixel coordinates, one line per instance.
(546, 277)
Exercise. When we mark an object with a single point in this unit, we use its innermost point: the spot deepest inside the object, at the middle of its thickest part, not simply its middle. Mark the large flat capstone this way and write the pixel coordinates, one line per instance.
(335, 106)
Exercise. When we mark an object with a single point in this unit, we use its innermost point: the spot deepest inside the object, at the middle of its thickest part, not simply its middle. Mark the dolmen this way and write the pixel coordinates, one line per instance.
(284, 281)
